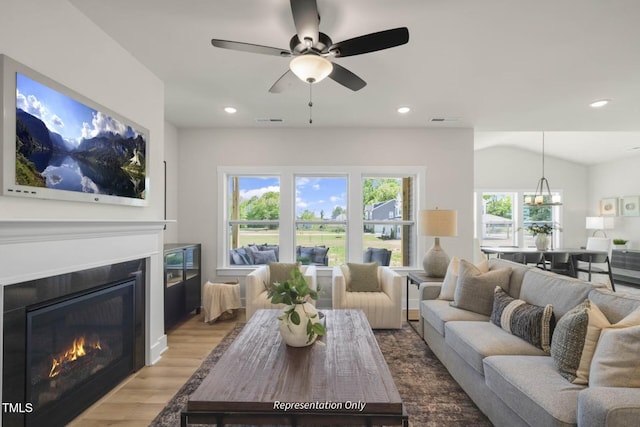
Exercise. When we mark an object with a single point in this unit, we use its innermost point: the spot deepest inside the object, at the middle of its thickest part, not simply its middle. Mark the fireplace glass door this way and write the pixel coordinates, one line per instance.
(77, 347)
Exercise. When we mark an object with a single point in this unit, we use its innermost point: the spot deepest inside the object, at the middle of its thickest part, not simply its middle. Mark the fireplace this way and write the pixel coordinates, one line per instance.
(69, 339)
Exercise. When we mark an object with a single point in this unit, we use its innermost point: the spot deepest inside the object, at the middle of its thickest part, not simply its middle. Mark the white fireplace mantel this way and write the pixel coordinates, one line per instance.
(36, 248)
(33, 230)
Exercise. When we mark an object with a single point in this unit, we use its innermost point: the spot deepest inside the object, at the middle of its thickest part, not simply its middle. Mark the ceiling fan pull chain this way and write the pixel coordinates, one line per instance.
(310, 103)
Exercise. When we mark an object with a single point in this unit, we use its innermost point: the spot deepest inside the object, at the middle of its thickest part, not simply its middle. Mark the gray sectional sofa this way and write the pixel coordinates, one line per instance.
(513, 382)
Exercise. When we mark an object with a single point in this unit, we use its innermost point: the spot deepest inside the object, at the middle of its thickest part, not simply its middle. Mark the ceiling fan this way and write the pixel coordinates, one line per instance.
(310, 49)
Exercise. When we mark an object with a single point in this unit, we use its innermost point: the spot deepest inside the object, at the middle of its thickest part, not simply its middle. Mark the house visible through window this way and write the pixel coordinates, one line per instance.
(388, 220)
(289, 214)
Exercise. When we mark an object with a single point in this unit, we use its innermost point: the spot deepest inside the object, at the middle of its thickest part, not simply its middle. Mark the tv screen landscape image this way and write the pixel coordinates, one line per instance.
(66, 147)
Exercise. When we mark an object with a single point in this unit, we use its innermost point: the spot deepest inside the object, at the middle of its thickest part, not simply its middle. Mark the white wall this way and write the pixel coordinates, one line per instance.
(447, 156)
(507, 168)
(55, 39)
(171, 156)
(615, 179)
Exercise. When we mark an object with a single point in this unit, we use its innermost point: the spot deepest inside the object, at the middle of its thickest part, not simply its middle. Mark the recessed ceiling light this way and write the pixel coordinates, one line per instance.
(599, 103)
(404, 110)
(230, 110)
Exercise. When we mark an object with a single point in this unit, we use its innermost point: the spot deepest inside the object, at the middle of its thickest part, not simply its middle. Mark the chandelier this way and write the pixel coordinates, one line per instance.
(543, 196)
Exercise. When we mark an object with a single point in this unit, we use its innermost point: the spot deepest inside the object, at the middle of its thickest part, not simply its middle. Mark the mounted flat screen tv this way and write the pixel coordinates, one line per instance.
(58, 144)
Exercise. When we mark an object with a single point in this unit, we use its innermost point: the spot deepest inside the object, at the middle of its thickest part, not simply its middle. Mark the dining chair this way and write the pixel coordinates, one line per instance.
(528, 257)
(559, 263)
(599, 263)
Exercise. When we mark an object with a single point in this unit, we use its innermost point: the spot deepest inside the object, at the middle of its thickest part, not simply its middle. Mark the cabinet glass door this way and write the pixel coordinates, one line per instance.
(192, 261)
(174, 264)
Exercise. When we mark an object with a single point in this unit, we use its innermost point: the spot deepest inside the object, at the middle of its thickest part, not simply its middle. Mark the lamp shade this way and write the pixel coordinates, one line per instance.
(599, 223)
(311, 68)
(439, 222)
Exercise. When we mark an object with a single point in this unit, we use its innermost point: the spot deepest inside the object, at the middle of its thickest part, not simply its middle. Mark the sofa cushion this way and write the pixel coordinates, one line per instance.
(533, 388)
(364, 277)
(542, 288)
(517, 273)
(615, 362)
(574, 341)
(473, 341)
(438, 312)
(264, 257)
(474, 290)
(614, 305)
(448, 289)
(532, 323)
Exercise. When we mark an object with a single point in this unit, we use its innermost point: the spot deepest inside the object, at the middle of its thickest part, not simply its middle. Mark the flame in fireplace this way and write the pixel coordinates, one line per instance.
(76, 351)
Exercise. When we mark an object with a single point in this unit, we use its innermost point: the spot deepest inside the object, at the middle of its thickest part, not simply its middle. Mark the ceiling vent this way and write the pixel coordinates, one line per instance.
(268, 120)
(444, 119)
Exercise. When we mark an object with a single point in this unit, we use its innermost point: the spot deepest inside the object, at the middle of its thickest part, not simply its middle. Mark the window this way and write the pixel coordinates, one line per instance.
(388, 219)
(504, 219)
(321, 220)
(539, 215)
(253, 219)
(497, 226)
(325, 216)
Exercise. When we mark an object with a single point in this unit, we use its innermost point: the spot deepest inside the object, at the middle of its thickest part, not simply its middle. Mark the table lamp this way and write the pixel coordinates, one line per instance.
(437, 223)
(599, 223)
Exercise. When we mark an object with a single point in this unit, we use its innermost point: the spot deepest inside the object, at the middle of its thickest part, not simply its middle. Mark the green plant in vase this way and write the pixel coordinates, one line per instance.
(299, 323)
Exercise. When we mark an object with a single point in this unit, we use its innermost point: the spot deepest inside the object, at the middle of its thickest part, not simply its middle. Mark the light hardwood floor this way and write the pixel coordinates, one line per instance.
(138, 399)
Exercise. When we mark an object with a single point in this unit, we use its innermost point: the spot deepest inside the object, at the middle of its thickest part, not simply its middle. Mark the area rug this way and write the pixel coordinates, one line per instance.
(431, 396)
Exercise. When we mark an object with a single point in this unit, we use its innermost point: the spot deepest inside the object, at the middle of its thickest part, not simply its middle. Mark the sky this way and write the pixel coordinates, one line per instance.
(64, 115)
(314, 194)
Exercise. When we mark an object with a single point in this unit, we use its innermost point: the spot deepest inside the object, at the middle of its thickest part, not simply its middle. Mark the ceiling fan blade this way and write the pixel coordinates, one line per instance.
(248, 47)
(284, 82)
(346, 78)
(371, 42)
(306, 19)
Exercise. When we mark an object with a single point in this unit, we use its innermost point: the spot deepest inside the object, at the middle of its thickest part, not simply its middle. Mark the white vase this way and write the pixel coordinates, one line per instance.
(296, 335)
(542, 241)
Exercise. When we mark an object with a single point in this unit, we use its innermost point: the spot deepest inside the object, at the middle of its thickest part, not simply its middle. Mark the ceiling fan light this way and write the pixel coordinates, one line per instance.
(311, 68)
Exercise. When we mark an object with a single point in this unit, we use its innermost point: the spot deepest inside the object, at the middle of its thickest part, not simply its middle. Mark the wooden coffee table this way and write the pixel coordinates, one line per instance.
(342, 379)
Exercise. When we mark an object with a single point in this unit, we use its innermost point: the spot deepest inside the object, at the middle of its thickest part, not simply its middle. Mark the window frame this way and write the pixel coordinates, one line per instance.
(354, 225)
(518, 214)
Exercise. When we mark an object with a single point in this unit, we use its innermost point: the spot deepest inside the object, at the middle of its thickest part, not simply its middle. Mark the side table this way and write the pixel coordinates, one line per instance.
(416, 278)
(220, 299)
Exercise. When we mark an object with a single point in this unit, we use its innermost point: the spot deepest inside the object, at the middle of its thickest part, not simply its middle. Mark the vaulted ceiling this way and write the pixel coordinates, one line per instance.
(509, 69)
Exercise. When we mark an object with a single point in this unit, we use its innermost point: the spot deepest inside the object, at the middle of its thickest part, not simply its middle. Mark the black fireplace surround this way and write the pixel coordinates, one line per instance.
(69, 339)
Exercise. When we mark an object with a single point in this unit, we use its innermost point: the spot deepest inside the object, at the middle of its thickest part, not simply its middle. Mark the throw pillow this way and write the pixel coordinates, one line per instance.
(306, 253)
(615, 362)
(264, 257)
(319, 253)
(474, 289)
(280, 271)
(532, 323)
(379, 255)
(448, 289)
(574, 341)
(364, 277)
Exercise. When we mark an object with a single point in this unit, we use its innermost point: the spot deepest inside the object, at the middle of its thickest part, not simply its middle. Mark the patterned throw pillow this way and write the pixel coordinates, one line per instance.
(532, 323)
(474, 290)
(575, 339)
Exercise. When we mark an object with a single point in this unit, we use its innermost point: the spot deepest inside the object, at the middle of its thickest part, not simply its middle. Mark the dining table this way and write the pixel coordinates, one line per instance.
(499, 250)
